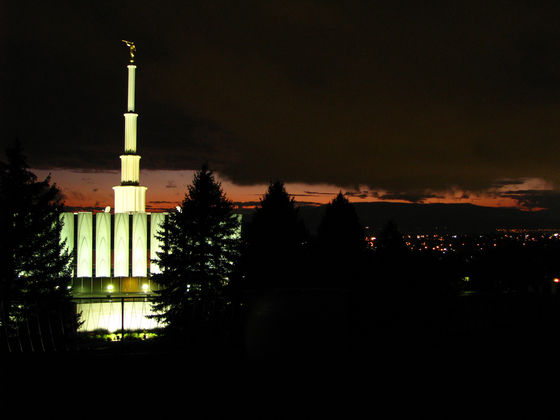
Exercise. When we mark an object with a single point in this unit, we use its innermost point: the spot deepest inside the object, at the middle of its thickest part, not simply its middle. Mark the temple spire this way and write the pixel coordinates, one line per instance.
(130, 196)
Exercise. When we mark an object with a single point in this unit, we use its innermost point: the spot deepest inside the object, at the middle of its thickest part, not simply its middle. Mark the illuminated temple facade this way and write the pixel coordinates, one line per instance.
(113, 251)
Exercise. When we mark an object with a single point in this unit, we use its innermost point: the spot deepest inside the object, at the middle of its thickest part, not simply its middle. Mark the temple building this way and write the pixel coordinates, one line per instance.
(115, 254)
(113, 251)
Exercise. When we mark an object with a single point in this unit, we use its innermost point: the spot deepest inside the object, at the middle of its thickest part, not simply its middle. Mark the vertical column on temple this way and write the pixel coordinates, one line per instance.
(103, 244)
(85, 245)
(67, 233)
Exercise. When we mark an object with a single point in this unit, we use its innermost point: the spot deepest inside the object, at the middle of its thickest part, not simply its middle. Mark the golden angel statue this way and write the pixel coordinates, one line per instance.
(132, 47)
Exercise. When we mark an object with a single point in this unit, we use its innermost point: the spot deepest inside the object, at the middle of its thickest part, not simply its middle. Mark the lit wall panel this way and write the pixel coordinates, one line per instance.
(156, 223)
(139, 245)
(103, 245)
(67, 232)
(107, 315)
(121, 245)
(85, 245)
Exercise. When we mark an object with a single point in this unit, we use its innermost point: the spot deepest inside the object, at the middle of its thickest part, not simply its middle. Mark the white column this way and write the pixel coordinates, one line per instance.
(140, 245)
(85, 244)
(103, 245)
(156, 225)
(120, 251)
(130, 130)
(131, 87)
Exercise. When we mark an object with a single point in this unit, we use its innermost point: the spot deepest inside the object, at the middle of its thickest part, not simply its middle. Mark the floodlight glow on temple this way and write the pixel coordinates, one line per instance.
(113, 252)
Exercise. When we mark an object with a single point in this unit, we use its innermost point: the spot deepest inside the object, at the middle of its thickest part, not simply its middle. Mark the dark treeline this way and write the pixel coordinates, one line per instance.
(338, 256)
(330, 291)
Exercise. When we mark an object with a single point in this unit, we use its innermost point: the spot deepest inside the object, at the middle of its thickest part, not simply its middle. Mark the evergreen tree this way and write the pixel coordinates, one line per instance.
(340, 244)
(394, 264)
(390, 243)
(200, 246)
(35, 271)
(274, 242)
(340, 229)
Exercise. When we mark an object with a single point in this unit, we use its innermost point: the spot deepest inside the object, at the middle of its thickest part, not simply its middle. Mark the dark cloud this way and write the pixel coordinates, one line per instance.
(535, 199)
(305, 194)
(319, 193)
(171, 184)
(411, 197)
(398, 96)
(245, 203)
(162, 202)
(501, 183)
(361, 194)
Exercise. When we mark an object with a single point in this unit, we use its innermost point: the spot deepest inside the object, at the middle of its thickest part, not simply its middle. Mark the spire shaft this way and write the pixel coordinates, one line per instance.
(131, 86)
(130, 196)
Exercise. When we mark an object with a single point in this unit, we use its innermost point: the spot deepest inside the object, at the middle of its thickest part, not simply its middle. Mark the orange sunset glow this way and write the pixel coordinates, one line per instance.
(166, 189)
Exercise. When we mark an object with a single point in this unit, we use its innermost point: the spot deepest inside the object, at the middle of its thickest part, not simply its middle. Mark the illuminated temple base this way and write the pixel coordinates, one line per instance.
(107, 315)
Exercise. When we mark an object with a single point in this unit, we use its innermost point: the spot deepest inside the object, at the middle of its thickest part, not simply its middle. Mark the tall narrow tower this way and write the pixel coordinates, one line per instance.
(130, 197)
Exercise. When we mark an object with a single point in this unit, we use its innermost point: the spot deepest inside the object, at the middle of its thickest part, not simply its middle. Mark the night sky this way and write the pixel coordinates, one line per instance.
(401, 100)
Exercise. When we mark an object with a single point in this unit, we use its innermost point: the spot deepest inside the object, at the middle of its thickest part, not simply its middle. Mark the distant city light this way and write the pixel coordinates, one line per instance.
(556, 280)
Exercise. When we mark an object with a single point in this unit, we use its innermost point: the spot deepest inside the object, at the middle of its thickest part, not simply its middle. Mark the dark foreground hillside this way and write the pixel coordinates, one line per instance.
(316, 353)
(314, 325)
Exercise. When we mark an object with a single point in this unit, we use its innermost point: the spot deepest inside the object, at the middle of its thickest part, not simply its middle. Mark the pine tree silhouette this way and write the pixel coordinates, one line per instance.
(199, 250)
(341, 246)
(392, 264)
(274, 242)
(390, 242)
(35, 270)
